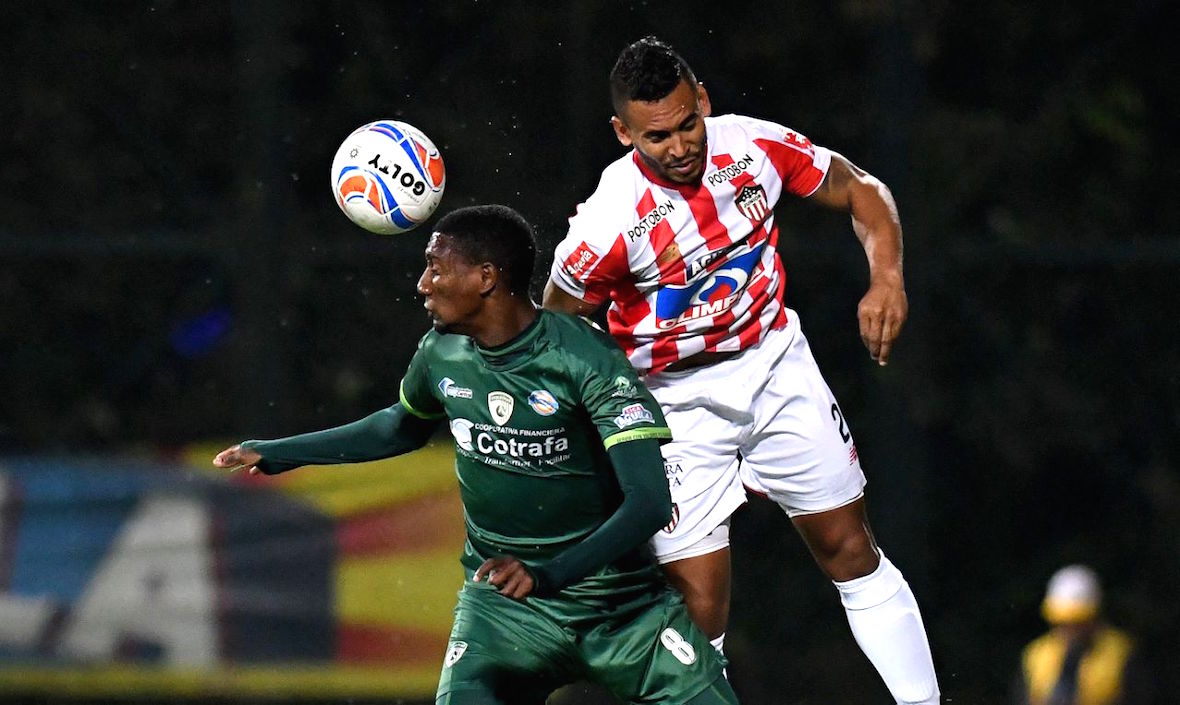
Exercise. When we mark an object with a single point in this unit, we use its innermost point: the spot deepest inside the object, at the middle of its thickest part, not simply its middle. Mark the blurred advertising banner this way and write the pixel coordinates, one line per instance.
(138, 578)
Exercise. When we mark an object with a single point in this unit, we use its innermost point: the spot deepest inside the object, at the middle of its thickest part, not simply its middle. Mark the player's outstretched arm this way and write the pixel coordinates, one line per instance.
(383, 434)
(883, 309)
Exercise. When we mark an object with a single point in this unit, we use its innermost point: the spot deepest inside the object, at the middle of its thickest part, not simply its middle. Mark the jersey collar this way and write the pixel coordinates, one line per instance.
(684, 189)
(508, 353)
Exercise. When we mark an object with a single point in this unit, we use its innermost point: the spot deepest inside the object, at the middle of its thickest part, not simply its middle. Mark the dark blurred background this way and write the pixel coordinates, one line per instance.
(173, 268)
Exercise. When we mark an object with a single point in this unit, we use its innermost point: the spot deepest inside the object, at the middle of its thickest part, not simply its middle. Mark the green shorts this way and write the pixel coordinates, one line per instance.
(639, 643)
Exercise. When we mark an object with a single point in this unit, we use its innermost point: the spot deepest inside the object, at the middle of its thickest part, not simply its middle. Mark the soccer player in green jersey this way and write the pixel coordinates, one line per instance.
(560, 472)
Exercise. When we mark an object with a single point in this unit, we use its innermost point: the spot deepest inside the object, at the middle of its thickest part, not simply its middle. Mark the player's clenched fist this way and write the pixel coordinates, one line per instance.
(236, 457)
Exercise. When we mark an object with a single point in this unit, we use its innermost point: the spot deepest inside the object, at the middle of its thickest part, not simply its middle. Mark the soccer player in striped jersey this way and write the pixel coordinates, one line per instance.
(557, 454)
(678, 240)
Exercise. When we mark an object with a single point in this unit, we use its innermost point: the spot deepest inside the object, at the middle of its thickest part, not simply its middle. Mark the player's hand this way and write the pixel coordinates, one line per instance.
(508, 574)
(882, 312)
(236, 457)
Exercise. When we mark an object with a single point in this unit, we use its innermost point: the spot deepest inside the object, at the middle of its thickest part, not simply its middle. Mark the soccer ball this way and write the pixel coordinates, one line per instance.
(388, 177)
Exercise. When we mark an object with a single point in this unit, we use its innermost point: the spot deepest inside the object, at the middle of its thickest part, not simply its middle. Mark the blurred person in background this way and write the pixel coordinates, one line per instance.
(1081, 660)
(679, 241)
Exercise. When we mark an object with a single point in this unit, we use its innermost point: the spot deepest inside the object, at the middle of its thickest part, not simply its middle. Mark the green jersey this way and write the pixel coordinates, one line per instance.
(532, 421)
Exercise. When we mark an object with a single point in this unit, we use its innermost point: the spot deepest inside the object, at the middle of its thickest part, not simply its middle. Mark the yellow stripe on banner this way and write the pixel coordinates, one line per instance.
(294, 681)
(339, 490)
(406, 590)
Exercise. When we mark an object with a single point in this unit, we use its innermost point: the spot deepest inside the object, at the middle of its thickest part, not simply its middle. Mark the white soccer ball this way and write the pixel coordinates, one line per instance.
(388, 177)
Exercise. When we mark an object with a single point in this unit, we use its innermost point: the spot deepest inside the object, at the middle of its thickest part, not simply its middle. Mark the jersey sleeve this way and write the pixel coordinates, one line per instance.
(417, 393)
(593, 257)
(620, 406)
(801, 164)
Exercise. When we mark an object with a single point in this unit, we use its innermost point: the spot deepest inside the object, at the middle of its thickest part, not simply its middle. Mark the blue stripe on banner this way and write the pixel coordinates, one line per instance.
(70, 514)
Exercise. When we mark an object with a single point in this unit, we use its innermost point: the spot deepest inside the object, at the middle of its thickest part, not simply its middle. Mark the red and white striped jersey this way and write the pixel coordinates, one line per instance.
(689, 268)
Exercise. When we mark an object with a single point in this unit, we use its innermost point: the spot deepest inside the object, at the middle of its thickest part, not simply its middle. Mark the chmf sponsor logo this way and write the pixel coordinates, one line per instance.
(653, 218)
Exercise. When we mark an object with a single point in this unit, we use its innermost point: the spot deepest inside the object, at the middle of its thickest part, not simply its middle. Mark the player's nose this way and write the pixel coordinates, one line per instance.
(677, 147)
(424, 282)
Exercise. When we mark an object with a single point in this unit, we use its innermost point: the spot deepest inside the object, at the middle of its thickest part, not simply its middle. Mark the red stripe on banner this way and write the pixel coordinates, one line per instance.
(360, 643)
(415, 525)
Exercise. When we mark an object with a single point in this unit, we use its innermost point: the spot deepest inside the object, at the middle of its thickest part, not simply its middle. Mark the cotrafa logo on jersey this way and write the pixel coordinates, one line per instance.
(715, 293)
(527, 449)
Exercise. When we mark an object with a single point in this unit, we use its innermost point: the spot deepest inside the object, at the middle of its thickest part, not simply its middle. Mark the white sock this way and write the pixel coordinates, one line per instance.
(886, 624)
(719, 643)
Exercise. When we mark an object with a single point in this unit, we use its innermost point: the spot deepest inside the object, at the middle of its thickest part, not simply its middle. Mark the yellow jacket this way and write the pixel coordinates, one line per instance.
(1100, 674)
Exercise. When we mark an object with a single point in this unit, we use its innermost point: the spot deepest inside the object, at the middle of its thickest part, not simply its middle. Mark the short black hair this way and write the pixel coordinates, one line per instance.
(648, 69)
(496, 234)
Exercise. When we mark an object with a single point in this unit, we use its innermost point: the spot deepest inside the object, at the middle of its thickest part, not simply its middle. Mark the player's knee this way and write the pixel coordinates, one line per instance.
(847, 555)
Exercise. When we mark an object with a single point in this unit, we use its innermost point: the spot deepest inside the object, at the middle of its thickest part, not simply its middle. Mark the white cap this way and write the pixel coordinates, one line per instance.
(1074, 595)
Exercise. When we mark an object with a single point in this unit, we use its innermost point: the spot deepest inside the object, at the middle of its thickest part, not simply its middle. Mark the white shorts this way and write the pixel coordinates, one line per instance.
(763, 420)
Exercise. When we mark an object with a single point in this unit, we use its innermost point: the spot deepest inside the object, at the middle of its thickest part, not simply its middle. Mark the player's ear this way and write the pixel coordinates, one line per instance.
(703, 100)
(489, 278)
(622, 132)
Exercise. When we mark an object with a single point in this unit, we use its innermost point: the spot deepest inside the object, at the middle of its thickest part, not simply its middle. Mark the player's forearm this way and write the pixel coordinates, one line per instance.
(383, 434)
(646, 508)
(878, 227)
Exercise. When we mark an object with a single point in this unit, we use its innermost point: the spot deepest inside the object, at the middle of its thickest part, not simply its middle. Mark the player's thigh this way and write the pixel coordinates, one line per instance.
(701, 463)
(502, 651)
(801, 452)
(656, 655)
(719, 692)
